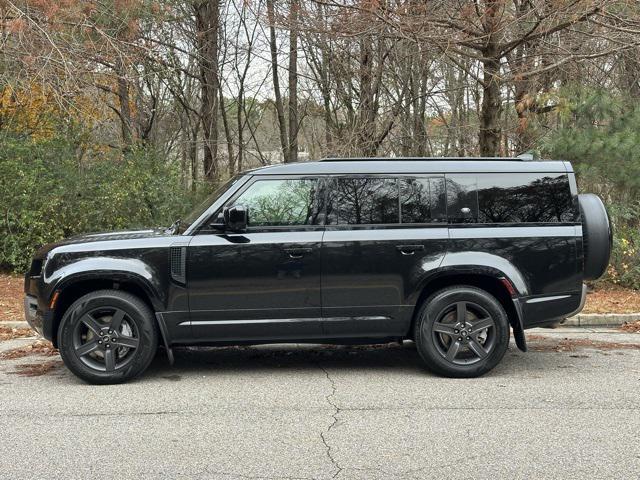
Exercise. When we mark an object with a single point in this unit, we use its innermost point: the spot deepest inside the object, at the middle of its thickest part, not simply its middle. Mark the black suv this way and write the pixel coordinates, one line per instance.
(448, 253)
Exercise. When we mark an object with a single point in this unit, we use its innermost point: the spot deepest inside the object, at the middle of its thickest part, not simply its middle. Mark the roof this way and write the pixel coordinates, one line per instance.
(414, 166)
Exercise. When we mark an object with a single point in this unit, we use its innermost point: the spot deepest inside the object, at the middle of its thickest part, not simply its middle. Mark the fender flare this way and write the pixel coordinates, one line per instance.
(485, 264)
(101, 268)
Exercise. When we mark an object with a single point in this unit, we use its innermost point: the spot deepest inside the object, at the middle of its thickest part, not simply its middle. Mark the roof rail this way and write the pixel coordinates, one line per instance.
(425, 159)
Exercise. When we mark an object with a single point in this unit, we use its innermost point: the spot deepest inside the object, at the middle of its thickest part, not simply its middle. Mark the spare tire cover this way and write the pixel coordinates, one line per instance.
(597, 235)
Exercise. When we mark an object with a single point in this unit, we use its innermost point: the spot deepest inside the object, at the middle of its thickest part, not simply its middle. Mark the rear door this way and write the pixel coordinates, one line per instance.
(383, 235)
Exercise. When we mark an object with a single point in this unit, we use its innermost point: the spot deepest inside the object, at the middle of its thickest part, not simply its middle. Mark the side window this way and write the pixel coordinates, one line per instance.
(276, 203)
(357, 201)
(524, 198)
(423, 200)
(509, 198)
(462, 198)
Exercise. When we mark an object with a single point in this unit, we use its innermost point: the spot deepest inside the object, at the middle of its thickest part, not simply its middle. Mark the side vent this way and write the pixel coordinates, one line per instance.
(177, 264)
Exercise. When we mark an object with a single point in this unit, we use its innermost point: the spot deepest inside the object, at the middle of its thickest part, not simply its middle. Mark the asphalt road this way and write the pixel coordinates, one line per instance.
(332, 412)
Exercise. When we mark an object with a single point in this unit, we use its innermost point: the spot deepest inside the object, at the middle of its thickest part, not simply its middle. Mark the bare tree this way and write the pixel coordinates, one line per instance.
(279, 105)
(207, 15)
(293, 81)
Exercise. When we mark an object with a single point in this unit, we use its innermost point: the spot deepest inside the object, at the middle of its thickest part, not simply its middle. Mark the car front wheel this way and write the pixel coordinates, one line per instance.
(461, 332)
(108, 336)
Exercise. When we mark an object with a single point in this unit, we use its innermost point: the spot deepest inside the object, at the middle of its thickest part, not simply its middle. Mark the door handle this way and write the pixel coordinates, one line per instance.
(298, 252)
(409, 249)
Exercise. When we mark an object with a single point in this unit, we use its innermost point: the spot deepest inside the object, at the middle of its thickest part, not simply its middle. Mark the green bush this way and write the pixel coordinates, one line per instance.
(49, 194)
(624, 268)
(600, 134)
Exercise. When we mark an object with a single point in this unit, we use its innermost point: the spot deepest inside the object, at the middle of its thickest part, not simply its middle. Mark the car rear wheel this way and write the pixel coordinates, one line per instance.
(461, 332)
(107, 337)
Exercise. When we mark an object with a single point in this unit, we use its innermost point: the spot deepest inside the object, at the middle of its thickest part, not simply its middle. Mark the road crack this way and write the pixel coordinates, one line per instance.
(334, 416)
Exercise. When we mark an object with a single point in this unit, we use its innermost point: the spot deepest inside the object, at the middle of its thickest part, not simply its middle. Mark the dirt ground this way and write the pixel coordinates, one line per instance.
(607, 299)
(613, 299)
(11, 297)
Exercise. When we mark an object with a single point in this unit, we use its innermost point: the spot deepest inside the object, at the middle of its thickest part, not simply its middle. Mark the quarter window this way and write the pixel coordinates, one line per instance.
(524, 198)
(277, 203)
(510, 198)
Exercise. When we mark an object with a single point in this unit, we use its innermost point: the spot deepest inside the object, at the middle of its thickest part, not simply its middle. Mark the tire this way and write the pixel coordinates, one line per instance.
(597, 235)
(107, 337)
(481, 342)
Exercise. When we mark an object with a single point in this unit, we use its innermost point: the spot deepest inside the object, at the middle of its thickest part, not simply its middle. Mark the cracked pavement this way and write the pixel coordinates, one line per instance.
(322, 412)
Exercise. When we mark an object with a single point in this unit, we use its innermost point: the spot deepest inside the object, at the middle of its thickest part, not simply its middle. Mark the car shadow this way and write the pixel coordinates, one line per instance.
(297, 357)
(290, 356)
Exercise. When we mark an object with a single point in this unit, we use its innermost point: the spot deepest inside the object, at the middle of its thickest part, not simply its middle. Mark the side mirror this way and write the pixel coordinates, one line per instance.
(218, 223)
(236, 218)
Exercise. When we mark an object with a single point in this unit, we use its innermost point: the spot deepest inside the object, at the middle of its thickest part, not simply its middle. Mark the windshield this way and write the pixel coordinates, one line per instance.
(206, 203)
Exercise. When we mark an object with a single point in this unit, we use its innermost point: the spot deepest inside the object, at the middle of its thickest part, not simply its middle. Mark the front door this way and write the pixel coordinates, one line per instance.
(262, 284)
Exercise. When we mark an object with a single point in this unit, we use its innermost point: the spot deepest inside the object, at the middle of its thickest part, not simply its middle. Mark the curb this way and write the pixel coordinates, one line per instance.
(601, 319)
(14, 324)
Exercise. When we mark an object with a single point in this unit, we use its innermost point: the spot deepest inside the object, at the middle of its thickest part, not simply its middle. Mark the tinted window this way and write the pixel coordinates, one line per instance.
(510, 198)
(281, 202)
(422, 200)
(357, 201)
(462, 198)
(524, 198)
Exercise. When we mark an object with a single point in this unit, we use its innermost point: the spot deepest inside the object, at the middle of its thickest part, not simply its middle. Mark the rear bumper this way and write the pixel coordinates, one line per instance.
(583, 300)
(541, 310)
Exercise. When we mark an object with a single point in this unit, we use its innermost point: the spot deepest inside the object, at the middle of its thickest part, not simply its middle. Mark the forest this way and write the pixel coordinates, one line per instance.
(125, 113)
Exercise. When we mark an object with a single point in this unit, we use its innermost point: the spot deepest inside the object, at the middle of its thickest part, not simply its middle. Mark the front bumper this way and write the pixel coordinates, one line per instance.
(31, 314)
(41, 321)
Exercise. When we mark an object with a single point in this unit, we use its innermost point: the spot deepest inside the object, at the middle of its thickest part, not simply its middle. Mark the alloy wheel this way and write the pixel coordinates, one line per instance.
(464, 333)
(106, 339)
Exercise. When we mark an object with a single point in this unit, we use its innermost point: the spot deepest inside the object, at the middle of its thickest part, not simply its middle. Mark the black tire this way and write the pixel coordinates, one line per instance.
(438, 328)
(597, 235)
(107, 337)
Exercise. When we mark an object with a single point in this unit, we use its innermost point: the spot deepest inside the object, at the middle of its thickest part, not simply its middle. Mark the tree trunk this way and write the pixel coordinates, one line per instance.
(273, 47)
(490, 112)
(328, 120)
(240, 105)
(293, 81)
(227, 135)
(366, 126)
(207, 26)
(125, 112)
(490, 129)
(193, 156)
(631, 75)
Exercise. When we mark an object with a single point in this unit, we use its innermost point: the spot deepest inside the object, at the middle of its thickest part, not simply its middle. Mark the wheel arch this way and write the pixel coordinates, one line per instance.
(72, 288)
(494, 283)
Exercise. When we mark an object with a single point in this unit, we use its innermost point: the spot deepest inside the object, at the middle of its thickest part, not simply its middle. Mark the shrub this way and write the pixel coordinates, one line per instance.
(600, 134)
(49, 194)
